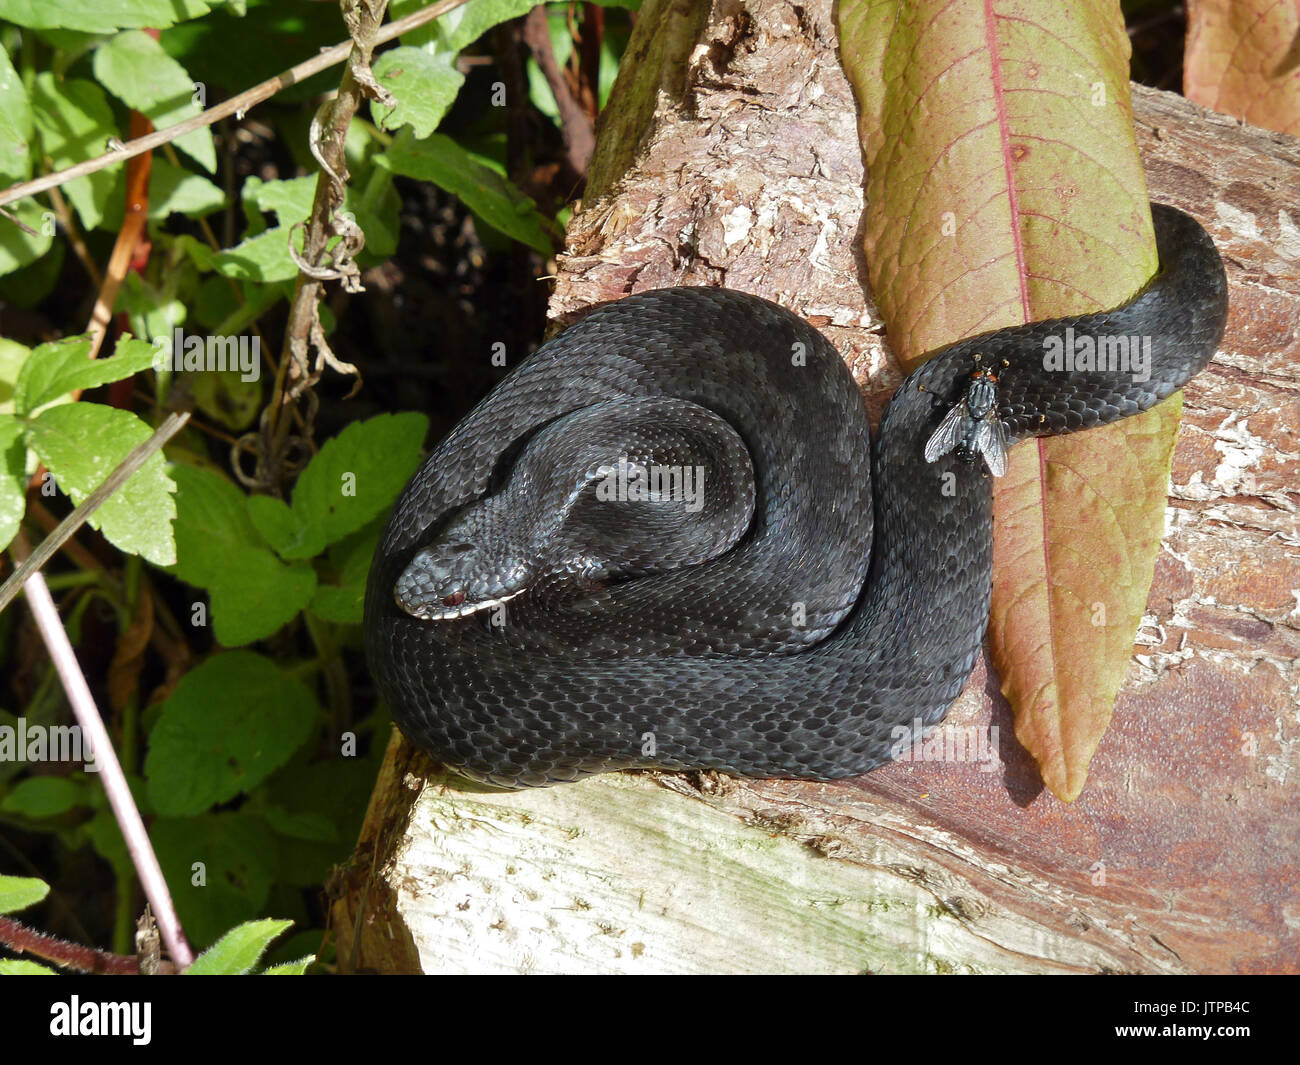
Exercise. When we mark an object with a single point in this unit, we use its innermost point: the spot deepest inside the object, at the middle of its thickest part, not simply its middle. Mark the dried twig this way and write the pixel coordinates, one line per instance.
(575, 124)
(110, 769)
(318, 262)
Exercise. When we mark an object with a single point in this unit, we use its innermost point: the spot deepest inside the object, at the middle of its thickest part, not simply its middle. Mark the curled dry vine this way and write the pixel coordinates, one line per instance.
(331, 240)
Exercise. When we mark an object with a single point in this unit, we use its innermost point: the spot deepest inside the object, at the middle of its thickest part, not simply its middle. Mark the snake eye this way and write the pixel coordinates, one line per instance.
(455, 599)
(460, 549)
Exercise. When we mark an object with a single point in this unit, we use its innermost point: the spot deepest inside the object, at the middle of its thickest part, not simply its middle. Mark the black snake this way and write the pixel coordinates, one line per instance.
(580, 615)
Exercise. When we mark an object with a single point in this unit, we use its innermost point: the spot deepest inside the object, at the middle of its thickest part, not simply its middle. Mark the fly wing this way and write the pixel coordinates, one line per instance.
(991, 442)
(949, 433)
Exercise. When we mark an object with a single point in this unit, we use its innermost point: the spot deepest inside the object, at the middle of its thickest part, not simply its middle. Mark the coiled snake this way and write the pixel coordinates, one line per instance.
(652, 544)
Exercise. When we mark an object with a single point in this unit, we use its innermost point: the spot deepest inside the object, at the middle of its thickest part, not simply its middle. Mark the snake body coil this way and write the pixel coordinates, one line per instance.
(767, 632)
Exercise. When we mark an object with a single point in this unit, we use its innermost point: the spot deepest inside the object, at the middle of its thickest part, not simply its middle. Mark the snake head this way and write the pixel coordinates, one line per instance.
(456, 576)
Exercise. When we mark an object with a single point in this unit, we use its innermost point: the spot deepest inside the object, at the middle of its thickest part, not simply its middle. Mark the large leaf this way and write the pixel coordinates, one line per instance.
(1243, 59)
(81, 444)
(1004, 186)
(207, 748)
(15, 125)
(18, 247)
(175, 190)
(485, 192)
(425, 86)
(460, 26)
(75, 122)
(219, 548)
(13, 478)
(220, 868)
(19, 892)
(135, 69)
(61, 366)
(239, 949)
(100, 16)
(359, 473)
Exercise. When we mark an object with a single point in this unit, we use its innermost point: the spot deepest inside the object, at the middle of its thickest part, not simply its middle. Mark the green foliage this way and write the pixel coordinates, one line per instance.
(249, 765)
(198, 759)
(247, 551)
(242, 948)
(19, 892)
(490, 196)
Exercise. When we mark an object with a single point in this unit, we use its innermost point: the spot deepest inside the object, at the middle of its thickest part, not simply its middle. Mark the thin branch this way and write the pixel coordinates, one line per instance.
(575, 124)
(109, 768)
(236, 105)
(23, 940)
(69, 525)
(135, 215)
(318, 262)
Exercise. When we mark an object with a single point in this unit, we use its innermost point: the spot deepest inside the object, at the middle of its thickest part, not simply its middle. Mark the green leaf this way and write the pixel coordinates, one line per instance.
(379, 216)
(202, 256)
(220, 868)
(81, 444)
(13, 478)
(290, 199)
(211, 522)
(462, 25)
(227, 398)
(207, 748)
(284, 529)
(343, 601)
(238, 950)
(539, 89)
(153, 313)
(308, 825)
(490, 196)
(290, 968)
(229, 53)
(75, 122)
(61, 366)
(257, 595)
(100, 16)
(45, 796)
(17, 246)
(12, 357)
(424, 84)
(219, 548)
(264, 257)
(15, 125)
(21, 967)
(174, 190)
(106, 837)
(135, 69)
(359, 473)
(44, 367)
(19, 892)
(29, 287)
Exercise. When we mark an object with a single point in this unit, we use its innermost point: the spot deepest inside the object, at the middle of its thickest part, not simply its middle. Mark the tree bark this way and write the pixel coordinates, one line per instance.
(728, 156)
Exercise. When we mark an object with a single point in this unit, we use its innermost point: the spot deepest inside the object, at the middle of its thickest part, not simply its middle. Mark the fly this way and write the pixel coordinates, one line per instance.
(972, 427)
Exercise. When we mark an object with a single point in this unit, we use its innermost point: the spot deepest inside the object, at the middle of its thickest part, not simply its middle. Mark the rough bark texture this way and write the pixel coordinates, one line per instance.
(731, 159)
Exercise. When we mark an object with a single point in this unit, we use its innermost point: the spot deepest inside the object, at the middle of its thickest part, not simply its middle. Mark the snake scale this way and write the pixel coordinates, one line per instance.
(530, 621)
